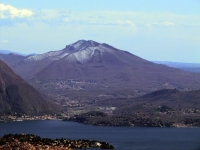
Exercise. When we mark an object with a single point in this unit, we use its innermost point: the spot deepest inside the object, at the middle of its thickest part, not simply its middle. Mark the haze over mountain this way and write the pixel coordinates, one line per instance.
(192, 67)
(88, 70)
(5, 52)
(17, 96)
(11, 52)
(11, 59)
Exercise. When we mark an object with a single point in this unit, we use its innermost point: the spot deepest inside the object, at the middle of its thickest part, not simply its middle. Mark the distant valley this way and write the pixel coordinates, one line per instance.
(87, 71)
(87, 75)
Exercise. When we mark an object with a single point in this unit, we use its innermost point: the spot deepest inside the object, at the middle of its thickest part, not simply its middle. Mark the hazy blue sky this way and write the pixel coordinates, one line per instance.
(167, 30)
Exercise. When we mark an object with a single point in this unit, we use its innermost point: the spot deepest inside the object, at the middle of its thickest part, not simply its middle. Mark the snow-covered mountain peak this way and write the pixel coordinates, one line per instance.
(78, 44)
(82, 55)
(81, 50)
(81, 45)
(52, 55)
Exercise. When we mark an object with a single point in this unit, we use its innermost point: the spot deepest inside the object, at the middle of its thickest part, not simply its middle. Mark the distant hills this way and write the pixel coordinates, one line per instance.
(176, 100)
(162, 108)
(192, 67)
(11, 52)
(88, 71)
(5, 52)
(172, 98)
(87, 75)
(18, 97)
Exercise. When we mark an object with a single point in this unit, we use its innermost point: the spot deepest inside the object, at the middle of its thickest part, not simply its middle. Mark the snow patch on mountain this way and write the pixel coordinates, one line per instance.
(83, 51)
(53, 55)
(77, 44)
(86, 54)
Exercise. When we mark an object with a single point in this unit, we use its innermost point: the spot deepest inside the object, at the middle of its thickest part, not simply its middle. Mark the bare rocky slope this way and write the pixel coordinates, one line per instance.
(18, 97)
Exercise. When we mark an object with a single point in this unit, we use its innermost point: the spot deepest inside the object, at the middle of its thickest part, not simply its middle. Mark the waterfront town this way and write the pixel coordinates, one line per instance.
(9, 118)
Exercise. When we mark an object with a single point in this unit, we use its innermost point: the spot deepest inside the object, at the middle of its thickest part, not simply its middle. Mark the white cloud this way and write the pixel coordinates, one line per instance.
(105, 18)
(8, 11)
(168, 23)
(134, 19)
(127, 30)
(46, 14)
(4, 41)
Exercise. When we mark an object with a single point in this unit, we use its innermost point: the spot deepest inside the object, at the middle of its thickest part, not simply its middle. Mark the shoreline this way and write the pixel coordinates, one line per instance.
(132, 126)
(11, 118)
(30, 141)
(100, 125)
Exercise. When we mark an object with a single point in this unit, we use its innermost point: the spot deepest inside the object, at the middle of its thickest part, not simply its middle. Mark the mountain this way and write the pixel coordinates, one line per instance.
(172, 98)
(17, 96)
(5, 52)
(192, 67)
(162, 108)
(11, 58)
(88, 71)
(10, 52)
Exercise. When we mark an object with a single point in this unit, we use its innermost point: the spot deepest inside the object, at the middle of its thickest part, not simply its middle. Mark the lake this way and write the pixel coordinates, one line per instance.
(122, 138)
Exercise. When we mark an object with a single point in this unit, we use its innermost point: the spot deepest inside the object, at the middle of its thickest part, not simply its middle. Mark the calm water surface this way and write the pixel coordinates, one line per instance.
(123, 138)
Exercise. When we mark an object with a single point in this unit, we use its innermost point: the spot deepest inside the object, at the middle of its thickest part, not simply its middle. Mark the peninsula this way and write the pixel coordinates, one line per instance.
(33, 142)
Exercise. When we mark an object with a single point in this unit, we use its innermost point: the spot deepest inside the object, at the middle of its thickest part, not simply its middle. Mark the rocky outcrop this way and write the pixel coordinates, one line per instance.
(18, 97)
(33, 142)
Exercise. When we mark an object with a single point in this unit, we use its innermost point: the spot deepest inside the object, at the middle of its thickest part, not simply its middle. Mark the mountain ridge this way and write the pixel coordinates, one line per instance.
(72, 49)
(192, 67)
(88, 70)
(162, 108)
(17, 96)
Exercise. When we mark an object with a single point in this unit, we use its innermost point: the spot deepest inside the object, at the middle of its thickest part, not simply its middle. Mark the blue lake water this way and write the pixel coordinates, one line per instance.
(123, 138)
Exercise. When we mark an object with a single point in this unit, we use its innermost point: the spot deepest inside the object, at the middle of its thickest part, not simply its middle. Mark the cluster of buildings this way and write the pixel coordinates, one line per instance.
(6, 118)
